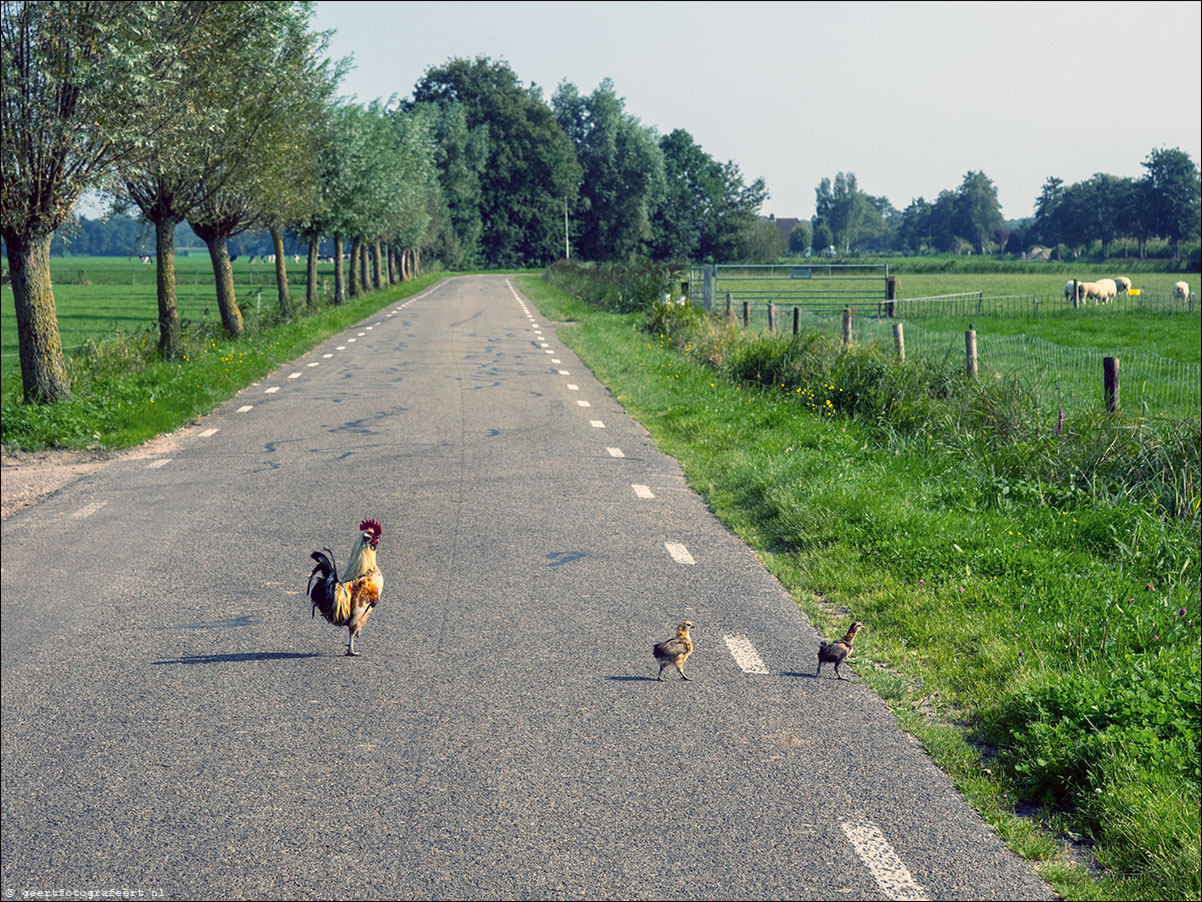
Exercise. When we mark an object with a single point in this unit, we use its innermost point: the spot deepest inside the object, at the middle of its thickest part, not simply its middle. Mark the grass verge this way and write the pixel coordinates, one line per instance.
(1032, 604)
(124, 394)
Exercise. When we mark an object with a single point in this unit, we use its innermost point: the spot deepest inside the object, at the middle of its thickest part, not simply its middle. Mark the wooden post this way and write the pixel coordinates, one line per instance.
(771, 317)
(846, 327)
(899, 341)
(890, 295)
(1076, 295)
(746, 314)
(1110, 378)
(730, 308)
(970, 352)
(1035, 307)
(796, 320)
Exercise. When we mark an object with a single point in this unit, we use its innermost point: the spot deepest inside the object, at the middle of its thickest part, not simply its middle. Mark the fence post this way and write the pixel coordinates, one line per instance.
(796, 320)
(846, 327)
(1110, 379)
(771, 316)
(707, 287)
(730, 309)
(970, 352)
(746, 314)
(899, 341)
(1076, 295)
(890, 295)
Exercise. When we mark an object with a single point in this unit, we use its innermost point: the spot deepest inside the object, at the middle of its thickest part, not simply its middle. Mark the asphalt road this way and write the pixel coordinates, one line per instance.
(175, 724)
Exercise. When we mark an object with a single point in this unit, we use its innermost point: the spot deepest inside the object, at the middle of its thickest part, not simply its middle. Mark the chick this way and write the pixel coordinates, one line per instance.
(674, 651)
(836, 652)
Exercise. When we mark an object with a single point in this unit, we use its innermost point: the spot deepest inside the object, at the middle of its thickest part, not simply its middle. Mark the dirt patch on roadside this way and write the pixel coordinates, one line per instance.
(29, 477)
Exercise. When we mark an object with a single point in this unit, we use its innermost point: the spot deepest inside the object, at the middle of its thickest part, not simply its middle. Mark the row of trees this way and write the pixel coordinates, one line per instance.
(1165, 203)
(224, 115)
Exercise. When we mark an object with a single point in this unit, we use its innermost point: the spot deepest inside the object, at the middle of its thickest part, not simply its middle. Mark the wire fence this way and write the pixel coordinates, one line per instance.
(1151, 385)
(976, 303)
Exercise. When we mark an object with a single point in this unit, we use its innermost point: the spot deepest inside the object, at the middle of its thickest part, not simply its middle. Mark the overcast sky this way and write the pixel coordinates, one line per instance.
(908, 96)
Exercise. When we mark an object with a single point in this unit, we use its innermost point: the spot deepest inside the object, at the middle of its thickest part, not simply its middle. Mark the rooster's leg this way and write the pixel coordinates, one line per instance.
(680, 667)
(350, 647)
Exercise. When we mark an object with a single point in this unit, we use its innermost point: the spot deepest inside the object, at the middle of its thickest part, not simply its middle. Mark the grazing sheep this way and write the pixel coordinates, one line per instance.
(1181, 291)
(1104, 291)
(1123, 283)
(1068, 290)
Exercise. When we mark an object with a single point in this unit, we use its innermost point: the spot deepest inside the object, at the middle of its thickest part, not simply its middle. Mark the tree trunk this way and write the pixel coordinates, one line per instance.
(311, 299)
(223, 276)
(377, 277)
(364, 278)
(164, 252)
(43, 369)
(391, 265)
(339, 275)
(281, 274)
(354, 286)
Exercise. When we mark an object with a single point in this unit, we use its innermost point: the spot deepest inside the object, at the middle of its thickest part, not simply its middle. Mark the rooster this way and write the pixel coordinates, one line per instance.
(348, 601)
(836, 652)
(674, 651)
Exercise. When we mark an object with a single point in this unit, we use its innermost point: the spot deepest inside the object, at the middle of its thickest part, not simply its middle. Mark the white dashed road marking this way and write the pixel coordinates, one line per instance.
(642, 491)
(596, 424)
(876, 853)
(88, 510)
(679, 553)
(615, 452)
(572, 387)
(272, 390)
(245, 407)
(584, 403)
(155, 464)
(745, 655)
(294, 375)
(208, 432)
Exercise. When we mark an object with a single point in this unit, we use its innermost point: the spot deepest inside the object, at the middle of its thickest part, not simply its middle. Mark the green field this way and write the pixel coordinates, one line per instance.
(99, 297)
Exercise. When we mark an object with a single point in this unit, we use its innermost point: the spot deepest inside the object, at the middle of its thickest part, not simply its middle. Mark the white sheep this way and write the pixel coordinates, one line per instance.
(1068, 290)
(1106, 289)
(1181, 291)
(1123, 283)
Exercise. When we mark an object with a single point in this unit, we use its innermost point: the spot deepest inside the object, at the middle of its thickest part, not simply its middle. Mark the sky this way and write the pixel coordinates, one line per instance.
(908, 96)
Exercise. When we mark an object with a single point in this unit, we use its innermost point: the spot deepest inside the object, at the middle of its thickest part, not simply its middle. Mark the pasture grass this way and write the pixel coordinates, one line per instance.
(100, 298)
(1032, 614)
(123, 393)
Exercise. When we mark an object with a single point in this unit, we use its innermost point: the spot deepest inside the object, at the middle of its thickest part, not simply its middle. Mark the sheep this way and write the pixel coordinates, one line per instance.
(1105, 291)
(1068, 290)
(1123, 283)
(1181, 291)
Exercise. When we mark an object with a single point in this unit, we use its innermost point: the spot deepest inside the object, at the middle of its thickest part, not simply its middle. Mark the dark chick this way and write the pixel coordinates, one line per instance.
(674, 651)
(836, 652)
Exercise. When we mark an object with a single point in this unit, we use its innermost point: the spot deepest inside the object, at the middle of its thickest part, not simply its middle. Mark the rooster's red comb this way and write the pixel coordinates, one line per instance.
(372, 526)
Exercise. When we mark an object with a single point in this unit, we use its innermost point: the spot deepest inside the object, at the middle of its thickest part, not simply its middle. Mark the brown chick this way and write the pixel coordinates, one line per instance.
(674, 651)
(836, 652)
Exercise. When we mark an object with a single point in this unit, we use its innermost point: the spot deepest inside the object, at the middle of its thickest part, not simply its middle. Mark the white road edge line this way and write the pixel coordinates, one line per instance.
(745, 655)
(679, 553)
(878, 856)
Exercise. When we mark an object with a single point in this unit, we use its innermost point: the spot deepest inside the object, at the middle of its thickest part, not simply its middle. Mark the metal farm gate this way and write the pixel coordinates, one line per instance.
(817, 287)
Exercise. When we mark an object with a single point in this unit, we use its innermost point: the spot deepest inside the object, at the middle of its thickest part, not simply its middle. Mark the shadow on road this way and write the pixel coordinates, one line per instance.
(240, 657)
(631, 679)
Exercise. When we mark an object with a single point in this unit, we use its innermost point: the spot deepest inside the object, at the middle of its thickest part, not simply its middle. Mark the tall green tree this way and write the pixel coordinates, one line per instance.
(254, 162)
(1175, 194)
(80, 80)
(848, 211)
(623, 169)
(532, 168)
(977, 214)
(692, 179)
